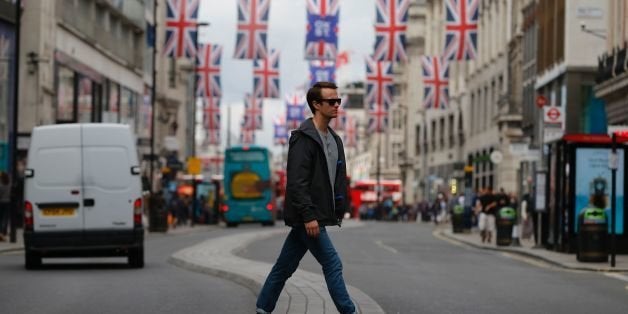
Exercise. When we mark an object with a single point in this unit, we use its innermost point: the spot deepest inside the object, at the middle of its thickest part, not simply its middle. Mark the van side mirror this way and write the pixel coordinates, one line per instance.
(29, 173)
(135, 170)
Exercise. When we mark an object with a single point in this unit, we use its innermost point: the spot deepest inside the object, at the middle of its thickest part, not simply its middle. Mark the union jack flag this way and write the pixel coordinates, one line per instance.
(461, 29)
(338, 123)
(390, 30)
(181, 31)
(211, 113)
(322, 71)
(321, 40)
(252, 29)
(266, 76)
(281, 132)
(350, 138)
(208, 71)
(295, 110)
(378, 118)
(379, 82)
(253, 113)
(212, 137)
(435, 82)
(247, 135)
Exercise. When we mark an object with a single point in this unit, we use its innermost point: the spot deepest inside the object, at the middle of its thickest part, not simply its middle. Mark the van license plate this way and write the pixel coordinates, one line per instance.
(57, 211)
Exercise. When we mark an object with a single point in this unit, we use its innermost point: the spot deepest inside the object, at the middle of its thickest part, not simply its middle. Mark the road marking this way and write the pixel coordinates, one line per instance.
(618, 276)
(386, 247)
(437, 235)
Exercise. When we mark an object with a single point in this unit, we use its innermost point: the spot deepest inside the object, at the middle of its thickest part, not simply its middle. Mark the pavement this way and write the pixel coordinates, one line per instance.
(528, 249)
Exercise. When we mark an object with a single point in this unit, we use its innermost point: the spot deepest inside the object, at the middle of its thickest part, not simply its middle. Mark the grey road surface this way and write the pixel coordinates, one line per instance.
(106, 285)
(406, 269)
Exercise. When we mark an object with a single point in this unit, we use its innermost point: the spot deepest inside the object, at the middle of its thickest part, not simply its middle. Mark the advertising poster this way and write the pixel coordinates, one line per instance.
(593, 182)
(7, 40)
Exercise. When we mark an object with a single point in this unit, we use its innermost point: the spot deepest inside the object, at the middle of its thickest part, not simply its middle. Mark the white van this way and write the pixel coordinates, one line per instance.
(83, 194)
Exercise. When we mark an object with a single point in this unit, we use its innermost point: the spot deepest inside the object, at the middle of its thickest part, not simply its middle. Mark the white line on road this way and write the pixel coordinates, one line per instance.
(617, 276)
(386, 247)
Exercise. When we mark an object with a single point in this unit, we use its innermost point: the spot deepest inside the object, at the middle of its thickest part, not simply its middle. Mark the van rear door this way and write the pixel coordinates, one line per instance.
(110, 188)
(54, 190)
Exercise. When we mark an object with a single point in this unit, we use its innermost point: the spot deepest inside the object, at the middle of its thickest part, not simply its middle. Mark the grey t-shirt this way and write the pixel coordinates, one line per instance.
(331, 153)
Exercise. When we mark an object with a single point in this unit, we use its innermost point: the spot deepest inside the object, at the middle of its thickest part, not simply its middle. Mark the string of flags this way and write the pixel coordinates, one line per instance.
(461, 36)
(324, 58)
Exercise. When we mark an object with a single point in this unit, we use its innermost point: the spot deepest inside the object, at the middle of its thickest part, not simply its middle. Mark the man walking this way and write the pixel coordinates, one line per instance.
(315, 198)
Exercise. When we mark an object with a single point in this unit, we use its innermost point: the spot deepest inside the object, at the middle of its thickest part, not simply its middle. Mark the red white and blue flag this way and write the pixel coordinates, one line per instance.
(322, 71)
(181, 30)
(266, 76)
(211, 113)
(247, 135)
(391, 23)
(253, 113)
(435, 82)
(208, 71)
(295, 110)
(379, 82)
(212, 137)
(378, 118)
(461, 29)
(350, 138)
(321, 39)
(252, 29)
(281, 132)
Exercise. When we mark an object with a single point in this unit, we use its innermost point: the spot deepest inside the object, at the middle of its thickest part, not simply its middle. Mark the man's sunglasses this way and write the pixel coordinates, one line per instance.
(331, 101)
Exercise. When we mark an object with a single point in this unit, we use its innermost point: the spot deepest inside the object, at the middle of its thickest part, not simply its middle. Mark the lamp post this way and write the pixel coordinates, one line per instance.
(194, 183)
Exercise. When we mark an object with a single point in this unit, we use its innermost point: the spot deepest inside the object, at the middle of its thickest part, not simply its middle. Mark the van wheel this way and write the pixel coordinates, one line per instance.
(32, 259)
(136, 257)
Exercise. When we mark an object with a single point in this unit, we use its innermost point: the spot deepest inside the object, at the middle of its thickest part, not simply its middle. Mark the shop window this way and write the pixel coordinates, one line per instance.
(65, 94)
(111, 107)
(128, 107)
(85, 99)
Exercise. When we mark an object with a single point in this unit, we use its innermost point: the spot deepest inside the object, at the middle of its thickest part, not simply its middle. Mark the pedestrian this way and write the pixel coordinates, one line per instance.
(5, 204)
(486, 222)
(315, 198)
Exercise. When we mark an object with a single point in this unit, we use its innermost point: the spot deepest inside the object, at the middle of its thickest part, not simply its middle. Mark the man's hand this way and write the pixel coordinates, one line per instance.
(311, 228)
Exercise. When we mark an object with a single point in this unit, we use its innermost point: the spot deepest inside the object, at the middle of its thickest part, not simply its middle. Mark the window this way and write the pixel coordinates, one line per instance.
(111, 108)
(172, 73)
(85, 99)
(452, 133)
(65, 94)
(128, 106)
(417, 140)
(442, 133)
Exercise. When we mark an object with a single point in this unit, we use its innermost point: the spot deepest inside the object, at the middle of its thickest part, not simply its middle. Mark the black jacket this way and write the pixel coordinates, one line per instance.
(308, 192)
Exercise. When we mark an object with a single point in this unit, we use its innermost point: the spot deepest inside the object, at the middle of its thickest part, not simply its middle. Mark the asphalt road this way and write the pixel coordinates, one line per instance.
(107, 285)
(408, 270)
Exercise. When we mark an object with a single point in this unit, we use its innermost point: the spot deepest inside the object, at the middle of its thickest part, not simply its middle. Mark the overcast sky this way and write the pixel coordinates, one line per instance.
(287, 22)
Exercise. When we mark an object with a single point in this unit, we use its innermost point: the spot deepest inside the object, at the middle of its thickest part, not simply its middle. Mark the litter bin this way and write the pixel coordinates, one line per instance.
(593, 230)
(457, 219)
(157, 214)
(505, 221)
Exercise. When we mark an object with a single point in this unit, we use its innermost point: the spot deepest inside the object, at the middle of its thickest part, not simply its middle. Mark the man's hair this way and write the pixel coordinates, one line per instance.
(314, 93)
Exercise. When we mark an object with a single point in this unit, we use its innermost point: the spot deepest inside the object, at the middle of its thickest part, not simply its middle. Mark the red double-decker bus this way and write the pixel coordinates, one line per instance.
(363, 191)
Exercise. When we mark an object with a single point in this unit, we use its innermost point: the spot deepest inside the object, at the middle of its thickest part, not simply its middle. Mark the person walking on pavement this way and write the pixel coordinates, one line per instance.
(486, 222)
(315, 198)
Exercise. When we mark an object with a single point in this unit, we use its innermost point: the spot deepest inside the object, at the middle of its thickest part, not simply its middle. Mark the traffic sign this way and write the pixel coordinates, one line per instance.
(553, 115)
(541, 101)
(194, 165)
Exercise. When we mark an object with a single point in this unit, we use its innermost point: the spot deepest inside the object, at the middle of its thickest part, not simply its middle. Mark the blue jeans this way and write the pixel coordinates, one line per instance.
(294, 248)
